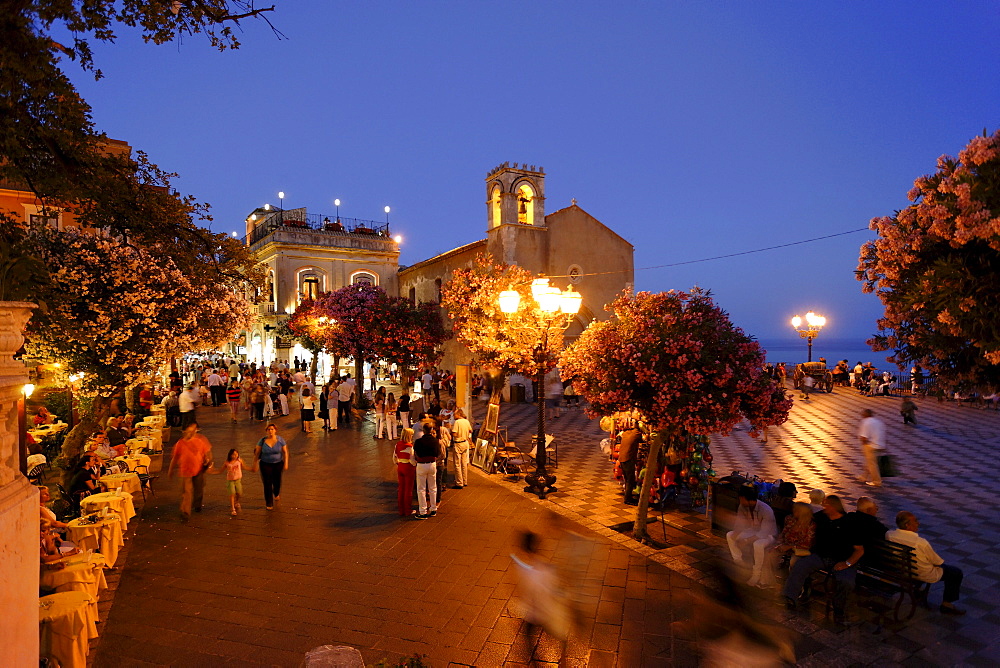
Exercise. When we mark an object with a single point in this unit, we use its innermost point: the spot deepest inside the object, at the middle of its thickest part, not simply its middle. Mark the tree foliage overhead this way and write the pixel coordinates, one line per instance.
(508, 343)
(676, 358)
(936, 268)
(113, 309)
(50, 147)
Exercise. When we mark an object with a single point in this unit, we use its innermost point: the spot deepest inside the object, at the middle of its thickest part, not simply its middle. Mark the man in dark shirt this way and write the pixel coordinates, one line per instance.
(866, 518)
(626, 458)
(839, 545)
(426, 451)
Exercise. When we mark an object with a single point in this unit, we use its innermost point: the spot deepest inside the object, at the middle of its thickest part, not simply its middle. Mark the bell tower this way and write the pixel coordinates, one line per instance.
(515, 212)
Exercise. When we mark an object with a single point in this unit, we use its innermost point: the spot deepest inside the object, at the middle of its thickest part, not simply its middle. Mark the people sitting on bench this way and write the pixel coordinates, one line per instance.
(866, 518)
(930, 567)
(754, 528)
(839, 546)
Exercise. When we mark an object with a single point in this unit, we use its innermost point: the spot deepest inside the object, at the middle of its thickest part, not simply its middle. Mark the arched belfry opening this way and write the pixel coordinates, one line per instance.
(515, 195)
(525, 205)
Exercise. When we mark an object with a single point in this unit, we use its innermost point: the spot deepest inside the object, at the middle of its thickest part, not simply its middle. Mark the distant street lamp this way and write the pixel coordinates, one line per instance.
(281, 205)
(387, 217)
(553, 311)
(336, 203)
(813, 324)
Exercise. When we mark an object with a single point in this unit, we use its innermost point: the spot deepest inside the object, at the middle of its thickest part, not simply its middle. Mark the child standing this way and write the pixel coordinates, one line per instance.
(234, 468)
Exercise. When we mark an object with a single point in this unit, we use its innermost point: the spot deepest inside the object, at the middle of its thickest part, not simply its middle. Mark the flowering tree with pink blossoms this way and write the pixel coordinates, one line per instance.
(676, 359)
(111, 310)
(936, 267)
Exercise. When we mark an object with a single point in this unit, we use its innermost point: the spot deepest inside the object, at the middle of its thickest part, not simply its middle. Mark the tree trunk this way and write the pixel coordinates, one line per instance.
(312, 367)
(639, 528)
(359, 370)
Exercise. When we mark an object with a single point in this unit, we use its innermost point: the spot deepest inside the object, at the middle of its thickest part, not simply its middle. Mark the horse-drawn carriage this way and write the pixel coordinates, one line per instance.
(822, 377)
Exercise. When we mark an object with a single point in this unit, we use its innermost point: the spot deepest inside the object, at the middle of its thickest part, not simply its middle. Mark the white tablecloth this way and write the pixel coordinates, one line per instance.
(80, 572)
(117, 502)
(127, 482)
(104, 536)
(134, 460)
(67, 623)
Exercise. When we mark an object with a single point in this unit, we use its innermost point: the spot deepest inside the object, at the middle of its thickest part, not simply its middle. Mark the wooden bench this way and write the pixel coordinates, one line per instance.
(888, 569)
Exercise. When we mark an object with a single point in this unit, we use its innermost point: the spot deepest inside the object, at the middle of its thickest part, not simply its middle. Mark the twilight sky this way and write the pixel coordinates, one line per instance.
(691, 129)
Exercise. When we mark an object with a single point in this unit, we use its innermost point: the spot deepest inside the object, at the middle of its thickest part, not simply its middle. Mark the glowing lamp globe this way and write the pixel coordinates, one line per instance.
(509, 301)
(570, 301)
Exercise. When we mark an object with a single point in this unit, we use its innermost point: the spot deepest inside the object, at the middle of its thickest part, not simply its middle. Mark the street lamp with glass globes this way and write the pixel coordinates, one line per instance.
(281, 205)
(813, 324)
(552, 310)
(386, 216)
(336, 203)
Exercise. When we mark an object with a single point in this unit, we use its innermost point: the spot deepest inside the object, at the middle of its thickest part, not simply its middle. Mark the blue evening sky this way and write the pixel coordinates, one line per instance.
(693, 129)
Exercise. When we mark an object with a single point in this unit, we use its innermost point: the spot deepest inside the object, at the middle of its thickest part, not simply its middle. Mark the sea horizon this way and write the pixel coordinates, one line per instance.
(792, 351)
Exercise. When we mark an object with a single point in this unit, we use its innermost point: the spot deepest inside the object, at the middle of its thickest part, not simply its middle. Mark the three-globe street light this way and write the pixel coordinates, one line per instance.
(813, 324)
(553, 311)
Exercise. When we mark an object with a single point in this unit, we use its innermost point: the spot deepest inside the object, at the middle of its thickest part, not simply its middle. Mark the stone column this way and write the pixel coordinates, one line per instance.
(18, 505)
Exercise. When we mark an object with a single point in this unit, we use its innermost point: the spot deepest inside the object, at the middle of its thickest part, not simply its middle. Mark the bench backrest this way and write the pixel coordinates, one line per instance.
(893, 561)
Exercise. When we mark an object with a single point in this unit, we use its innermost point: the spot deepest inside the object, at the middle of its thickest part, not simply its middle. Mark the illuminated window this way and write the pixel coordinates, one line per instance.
(495, 206)
(310, 287)
(525, 207)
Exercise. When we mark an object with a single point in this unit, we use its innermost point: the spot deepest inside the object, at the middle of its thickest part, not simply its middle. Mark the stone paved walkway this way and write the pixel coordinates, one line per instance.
(947, 473)
(335, 565)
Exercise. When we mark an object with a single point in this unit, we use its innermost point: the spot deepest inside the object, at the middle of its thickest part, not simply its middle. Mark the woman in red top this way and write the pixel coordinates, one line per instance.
(406, 472)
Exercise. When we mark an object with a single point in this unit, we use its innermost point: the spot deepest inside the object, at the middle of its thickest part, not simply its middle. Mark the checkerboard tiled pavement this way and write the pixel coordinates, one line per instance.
(947, 473)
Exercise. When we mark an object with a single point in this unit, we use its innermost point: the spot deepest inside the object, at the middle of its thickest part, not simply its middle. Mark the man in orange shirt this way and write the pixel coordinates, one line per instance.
(192, 457)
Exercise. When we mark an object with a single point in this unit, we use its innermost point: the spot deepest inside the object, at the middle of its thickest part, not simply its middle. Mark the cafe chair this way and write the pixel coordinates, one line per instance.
(35, 474)
(145, 480)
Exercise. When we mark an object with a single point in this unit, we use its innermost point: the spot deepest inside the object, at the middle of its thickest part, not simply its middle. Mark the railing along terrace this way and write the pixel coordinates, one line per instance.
(319, 223)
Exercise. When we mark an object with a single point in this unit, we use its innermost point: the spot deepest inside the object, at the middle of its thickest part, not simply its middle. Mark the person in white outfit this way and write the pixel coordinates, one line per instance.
(755, 527)
(461, 440)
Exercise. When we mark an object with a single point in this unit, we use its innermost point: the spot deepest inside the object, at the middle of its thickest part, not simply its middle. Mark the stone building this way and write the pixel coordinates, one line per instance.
(569, 245)
(309, 253)
(305, 254)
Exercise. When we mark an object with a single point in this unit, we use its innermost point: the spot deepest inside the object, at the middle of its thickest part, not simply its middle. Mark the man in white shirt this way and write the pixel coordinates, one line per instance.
(216, 387)
(755, 527)
(346, 392)
(187, 402)
(461, 440)
(426, 381)
(871, 433)
(930, 567)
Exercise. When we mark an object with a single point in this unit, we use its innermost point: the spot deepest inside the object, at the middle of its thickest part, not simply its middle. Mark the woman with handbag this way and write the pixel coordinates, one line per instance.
(271, 455)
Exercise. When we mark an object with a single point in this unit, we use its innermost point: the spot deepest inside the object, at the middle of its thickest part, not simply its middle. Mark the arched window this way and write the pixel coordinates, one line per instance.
(310, 286)
(495, 207)
(525, 207)
(364, 278)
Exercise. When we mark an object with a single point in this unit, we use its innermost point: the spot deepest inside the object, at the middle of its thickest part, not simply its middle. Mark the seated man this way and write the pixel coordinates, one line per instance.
(755, 527)
(839, 545)
(868, 525)
(117, 435)
(930, 567)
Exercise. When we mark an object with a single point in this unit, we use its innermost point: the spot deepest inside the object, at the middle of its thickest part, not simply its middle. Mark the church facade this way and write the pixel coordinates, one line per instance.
(306, 254)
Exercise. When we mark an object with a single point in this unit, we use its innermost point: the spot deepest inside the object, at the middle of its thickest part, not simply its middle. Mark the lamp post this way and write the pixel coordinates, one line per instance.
(336, 203)
(813, 324)
(22, 427)
(552, 311)
(281, 205)
(387, 219)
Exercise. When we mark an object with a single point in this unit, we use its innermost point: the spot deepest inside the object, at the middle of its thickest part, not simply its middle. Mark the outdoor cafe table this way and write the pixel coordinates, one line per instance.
(117, 502)
(127, 482)
(79, 572)
(104, 535)
(137, 459)
(67, 622)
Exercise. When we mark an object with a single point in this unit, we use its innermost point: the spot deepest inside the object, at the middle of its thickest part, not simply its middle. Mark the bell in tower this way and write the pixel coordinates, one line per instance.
(515, 195)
